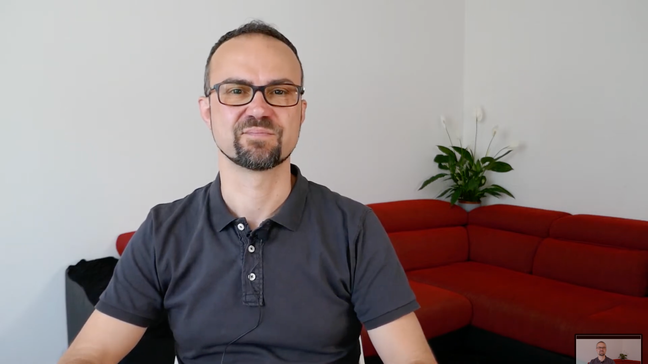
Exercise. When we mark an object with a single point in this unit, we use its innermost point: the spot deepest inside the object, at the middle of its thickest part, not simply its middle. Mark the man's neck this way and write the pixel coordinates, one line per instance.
(254, 195)
(601, 358)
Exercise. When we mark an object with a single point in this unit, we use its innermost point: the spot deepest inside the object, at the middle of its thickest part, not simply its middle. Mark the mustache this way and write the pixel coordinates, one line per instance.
(252, 122)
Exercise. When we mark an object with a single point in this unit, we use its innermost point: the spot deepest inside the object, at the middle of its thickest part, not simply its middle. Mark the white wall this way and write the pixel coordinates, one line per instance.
(99, 122)
(568, 79)
(632, 347)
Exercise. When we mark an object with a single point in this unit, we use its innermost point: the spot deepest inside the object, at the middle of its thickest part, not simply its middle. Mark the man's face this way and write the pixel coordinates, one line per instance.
(256, 136)
(601, 349)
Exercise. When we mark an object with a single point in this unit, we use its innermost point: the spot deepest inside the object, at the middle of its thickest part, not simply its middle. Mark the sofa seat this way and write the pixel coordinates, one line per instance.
(534, 310)
(627, 318)
(441, 312)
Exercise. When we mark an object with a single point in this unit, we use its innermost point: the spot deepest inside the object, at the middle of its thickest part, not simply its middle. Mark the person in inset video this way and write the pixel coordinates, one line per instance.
(601, 349)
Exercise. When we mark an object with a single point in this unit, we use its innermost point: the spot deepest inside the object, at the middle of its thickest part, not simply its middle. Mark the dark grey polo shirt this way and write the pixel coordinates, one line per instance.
(607, 360)
(304, 280)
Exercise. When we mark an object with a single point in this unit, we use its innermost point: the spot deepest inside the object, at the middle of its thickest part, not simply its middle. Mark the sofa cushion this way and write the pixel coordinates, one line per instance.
(517, 219)
(535, 310)
(628, 318)
(611, 269)
(502, 248)
(603, 230)
(422, 214)
(431, 247)
(441, 312)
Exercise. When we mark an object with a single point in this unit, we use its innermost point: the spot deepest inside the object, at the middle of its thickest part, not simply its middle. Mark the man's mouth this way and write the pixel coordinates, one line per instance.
(258, 132)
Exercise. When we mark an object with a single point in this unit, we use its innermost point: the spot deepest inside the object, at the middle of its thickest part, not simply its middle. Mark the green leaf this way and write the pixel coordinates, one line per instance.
(478, 167)
(432, 179)
(448, 152)
(491, 191)
(482, 181)
(464, 153)
(501, 167)
(501, 189)
(442, 194)
(455, 196)
(473, 184)
(487, 160)
(440, 158)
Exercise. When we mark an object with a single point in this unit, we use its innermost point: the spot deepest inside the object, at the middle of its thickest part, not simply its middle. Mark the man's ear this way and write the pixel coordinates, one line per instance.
(205, 110)
(304, 104)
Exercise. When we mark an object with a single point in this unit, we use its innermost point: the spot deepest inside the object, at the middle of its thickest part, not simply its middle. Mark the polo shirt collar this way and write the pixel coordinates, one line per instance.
(289, 214)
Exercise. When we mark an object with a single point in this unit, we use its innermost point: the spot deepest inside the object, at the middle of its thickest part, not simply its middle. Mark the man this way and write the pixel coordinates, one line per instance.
(601, 349)
(260, 265)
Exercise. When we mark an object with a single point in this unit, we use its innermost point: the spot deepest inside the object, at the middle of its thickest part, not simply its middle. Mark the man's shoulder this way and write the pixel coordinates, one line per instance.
(326, 200)
(185, 207)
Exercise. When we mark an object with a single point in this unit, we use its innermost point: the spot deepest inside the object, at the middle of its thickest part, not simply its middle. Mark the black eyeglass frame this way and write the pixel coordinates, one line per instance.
(300, 92)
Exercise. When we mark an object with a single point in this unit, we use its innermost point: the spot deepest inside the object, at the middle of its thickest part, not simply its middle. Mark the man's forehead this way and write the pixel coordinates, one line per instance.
(255, 58)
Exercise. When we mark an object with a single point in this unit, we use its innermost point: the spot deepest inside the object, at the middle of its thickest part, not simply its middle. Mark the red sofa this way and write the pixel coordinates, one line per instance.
(533, 275)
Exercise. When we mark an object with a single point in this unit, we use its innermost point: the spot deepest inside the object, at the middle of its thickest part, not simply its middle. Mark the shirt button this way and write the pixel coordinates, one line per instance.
(240, 227)
(251, 248)
(251, 276)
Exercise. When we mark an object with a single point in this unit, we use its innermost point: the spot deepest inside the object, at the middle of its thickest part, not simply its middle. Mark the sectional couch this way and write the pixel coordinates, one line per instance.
(533, 276)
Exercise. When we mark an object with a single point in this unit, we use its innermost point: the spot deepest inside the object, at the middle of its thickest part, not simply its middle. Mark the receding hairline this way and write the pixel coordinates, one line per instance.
(296, 80)
(256, 35)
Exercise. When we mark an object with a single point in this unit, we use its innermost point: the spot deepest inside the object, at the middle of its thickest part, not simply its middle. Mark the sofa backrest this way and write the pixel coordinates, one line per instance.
(425, 233)
(508, 236)
(606, 253)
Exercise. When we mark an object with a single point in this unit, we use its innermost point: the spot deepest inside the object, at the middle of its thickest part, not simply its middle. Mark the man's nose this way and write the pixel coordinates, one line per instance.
(258, 107)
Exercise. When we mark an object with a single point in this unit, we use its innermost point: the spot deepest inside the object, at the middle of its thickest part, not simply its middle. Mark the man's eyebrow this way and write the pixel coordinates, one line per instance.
(237, 80)
(279, 81)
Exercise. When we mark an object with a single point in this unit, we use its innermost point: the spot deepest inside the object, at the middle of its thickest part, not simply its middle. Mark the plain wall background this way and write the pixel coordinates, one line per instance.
(99, 122)
(586, 349)
(568, 79)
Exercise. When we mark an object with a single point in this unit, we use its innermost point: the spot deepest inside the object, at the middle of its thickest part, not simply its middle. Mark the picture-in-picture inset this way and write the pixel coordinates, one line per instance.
(608, 349)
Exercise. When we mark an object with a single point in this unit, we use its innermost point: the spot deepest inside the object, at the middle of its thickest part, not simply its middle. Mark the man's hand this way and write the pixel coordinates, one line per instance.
(402, 341)
(102, 340)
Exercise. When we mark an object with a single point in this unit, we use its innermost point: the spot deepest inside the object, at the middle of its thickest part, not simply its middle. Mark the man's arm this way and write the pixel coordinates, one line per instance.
(402, 341)
(102, 340)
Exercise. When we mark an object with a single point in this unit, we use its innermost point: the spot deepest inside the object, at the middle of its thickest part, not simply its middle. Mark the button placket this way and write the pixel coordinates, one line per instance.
(252, 266)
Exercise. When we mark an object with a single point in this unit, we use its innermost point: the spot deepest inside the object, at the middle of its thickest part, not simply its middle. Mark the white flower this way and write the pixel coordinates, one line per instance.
(479, 114)
(495, 130)
(513, 145)
(443, 121)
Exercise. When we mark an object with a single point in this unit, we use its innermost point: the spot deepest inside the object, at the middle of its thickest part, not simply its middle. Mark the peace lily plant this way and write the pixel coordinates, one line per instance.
(467, 171)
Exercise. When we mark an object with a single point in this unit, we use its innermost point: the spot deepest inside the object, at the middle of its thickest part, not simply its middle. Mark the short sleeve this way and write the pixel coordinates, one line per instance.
(381, 291)
(134, 294)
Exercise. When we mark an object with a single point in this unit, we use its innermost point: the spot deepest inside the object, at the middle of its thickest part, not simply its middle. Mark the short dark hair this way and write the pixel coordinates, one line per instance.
(253, 27)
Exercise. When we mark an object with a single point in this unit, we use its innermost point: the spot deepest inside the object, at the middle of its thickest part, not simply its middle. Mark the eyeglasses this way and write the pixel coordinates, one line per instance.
(600, 347)
(237, 94)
